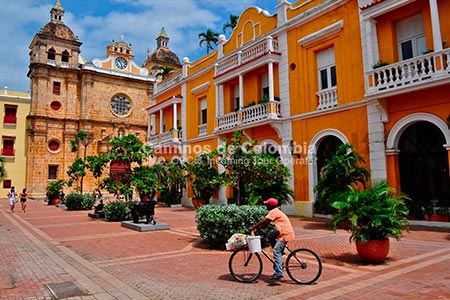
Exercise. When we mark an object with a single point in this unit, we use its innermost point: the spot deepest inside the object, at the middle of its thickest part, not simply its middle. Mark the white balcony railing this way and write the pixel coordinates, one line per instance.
(249, 115)
(202, 130)
(246, 55)
(174, 79)
(167, 137)
(327, 98)
(408, 73)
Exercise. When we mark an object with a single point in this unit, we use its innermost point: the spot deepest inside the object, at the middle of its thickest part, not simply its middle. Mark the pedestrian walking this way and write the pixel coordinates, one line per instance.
(12, 196)
(23, 199)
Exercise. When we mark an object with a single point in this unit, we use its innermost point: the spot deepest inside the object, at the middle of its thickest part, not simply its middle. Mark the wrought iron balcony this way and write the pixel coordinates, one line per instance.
(408, 75)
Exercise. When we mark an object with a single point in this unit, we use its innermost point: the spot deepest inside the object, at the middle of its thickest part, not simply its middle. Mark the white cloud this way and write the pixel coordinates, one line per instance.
(97, 22)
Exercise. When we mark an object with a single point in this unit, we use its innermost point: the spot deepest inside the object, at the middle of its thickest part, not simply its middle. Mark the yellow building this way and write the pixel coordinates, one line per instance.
(14, 108)
(301, 81)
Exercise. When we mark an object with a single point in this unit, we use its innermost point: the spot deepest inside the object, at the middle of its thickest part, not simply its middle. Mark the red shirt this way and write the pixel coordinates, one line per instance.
(282, 223)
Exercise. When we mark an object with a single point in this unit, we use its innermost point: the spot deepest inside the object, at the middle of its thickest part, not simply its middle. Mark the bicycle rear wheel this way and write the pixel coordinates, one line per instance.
(303, 266)
(245, 266)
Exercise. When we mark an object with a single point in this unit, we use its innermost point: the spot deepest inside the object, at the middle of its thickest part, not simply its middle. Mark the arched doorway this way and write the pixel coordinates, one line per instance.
(327, 148)
(423, 164)
(272, 150)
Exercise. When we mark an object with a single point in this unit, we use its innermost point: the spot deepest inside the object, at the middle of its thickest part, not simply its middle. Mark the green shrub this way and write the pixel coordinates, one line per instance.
(118, 210)
(75, 201)
(217, 223)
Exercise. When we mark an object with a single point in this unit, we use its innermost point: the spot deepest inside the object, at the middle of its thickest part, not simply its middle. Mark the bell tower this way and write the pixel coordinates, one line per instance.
(53, 71)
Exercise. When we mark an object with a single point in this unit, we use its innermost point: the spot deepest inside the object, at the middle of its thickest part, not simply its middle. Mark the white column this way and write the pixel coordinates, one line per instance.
(368, 35)
(241, 91)
(175, 127)
(435, 25)
(271, 96)
(161, 121)
(281, 11)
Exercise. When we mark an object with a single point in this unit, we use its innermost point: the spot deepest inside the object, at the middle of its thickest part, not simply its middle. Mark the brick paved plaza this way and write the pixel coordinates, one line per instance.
(49, 251)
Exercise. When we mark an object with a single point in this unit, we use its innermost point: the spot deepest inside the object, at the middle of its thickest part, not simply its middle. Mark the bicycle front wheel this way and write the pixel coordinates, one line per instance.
(303, 266)
(245, 266)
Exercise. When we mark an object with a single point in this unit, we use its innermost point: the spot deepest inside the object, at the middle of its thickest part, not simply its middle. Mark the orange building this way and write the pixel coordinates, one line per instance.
(300, 82)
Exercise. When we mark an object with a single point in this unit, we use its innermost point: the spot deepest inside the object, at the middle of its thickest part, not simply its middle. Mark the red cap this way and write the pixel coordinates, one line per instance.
(271, 201)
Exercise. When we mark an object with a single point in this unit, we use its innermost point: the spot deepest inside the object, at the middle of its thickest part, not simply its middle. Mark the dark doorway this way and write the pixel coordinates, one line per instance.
(327, 149)
(423, 163)
(271, 150)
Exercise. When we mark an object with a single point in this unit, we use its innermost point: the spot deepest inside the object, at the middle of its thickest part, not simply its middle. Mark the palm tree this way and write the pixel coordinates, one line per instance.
(231, 24)
(164, 72)
(209, 37)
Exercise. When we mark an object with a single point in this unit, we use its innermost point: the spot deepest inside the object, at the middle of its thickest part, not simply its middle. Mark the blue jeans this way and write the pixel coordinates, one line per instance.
(278, 257)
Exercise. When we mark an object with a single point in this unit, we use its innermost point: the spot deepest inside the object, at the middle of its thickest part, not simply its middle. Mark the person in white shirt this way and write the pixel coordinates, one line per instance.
(12, 196)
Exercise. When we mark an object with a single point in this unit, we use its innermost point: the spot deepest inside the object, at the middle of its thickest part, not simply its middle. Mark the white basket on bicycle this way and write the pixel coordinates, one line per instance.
(254, 243)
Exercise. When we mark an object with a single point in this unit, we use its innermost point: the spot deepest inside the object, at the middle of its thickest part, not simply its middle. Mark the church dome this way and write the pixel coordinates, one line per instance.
(58, 30)
(164, 56)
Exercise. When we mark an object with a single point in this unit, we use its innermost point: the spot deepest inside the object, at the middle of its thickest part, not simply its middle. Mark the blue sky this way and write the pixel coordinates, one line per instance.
(98, 22)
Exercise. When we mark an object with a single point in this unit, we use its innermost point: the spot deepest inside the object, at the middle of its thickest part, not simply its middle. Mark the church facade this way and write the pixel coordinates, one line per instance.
(105, 98)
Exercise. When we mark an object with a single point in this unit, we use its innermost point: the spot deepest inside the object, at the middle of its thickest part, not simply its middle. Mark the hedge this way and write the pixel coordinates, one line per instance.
(217, 223)
(76, 201)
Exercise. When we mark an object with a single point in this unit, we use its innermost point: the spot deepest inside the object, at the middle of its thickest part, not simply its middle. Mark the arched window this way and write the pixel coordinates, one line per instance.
(65, 56)
(51, 55)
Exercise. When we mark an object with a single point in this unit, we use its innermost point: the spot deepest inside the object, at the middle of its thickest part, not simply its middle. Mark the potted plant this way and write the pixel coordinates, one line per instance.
(344, 171)
(202, 178)
(55, 191)
(440, 214)
(374, 214)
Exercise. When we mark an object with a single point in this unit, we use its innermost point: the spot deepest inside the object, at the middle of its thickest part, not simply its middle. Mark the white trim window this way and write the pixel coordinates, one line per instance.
(411, 37)
(203, 111)
(236, 99)
(326, 65)
(265, 86)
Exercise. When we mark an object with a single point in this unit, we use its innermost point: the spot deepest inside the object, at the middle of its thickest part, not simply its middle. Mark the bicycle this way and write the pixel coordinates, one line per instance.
(302, 265)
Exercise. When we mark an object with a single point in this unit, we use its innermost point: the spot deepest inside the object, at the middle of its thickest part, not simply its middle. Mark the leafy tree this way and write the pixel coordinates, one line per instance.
(146, 181)
(130, 151)
(77, 170)
(203, 176)
(231, 23)
(172, 176)
(341, 173)
(254, 176)
(270, 180)
(209, 37)
(164, 72)
(2, 168)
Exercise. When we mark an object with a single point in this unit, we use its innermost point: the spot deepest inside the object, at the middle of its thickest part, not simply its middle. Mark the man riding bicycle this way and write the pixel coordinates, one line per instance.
(279, 237)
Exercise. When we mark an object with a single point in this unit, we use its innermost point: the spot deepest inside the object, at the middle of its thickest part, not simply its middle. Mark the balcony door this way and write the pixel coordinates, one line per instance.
(411, 37)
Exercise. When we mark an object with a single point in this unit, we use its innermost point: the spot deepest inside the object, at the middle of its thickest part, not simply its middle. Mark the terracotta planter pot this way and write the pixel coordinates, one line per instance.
(56, 201)
(436, 218)
(199, 202)
(373, 251)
